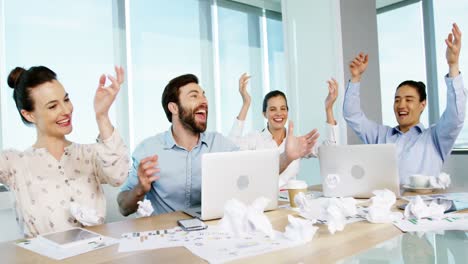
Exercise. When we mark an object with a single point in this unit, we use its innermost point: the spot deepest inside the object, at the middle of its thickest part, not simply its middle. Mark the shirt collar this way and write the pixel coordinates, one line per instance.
(419, 128)
(267, 133)
(169, 140)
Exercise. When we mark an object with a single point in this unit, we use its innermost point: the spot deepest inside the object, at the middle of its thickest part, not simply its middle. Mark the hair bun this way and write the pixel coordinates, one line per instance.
(14, 77)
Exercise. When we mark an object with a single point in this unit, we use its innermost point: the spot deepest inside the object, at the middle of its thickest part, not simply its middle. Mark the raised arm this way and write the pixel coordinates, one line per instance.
(103, 99)
(451, 122)
(246, 100)
(237, 129)
(452, 52)
(365, 129)
(142, 176)
(111, 159)
(330, 101)
(332, 131)
(331, 128)
(358, 66)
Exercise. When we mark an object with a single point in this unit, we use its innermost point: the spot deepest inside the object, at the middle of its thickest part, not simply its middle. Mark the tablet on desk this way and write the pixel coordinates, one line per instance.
(70, 238)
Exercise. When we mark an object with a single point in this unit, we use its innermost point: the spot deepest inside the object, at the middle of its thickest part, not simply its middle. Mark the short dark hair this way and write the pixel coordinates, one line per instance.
(22, 81)
(171, 92)
(272, 94)
(419, 86)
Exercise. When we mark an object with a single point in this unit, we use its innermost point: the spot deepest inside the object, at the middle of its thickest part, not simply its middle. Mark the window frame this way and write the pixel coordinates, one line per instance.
(430, 56)
(123, 56)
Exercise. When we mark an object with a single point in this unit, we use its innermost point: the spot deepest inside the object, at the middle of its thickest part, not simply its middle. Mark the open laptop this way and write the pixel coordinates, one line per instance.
(243, 175)
(361, 169)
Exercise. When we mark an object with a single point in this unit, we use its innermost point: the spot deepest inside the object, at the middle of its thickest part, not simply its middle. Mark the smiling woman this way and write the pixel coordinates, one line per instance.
(47, 106)
(275, 110)
(54, 174)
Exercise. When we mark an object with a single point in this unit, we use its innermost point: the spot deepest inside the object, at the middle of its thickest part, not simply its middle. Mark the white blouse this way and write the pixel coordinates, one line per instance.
(44, 187)
(264, 140)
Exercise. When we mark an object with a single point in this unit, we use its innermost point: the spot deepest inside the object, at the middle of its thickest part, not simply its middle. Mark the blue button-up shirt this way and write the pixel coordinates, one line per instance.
(179, 185)
(420, 150)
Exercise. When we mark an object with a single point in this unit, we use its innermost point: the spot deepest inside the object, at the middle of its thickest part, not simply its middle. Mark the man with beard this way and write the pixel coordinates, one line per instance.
(167, 167)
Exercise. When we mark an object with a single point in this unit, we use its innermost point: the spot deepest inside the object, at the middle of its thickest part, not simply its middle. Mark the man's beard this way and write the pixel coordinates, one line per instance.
(187, 119)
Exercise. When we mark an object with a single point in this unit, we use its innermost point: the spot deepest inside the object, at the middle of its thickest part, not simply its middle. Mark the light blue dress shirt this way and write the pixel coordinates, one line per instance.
(420, 150)
(179, 185)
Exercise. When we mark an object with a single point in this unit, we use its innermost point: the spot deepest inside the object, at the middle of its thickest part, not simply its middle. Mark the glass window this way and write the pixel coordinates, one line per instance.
(276, 58)
(75, 39)
(240, 51)
(160, 53)
(444, 15)
(78, 40)
(168, 39)
(401, 55)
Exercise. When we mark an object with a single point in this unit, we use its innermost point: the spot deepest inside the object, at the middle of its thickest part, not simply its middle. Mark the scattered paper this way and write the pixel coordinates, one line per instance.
(418, 209)
(379, 210)
(240, 219)
(447, 222)
(441, 182)
(310, 208)
(212, 244)
(86, 216)
(234, 220)
(57, 253)
(166, 238)
(333, 212)
(299, 230)
(257, 220)
(336, 212)
(459, 200)
(144, 208)
(231, 248)
(336, 219)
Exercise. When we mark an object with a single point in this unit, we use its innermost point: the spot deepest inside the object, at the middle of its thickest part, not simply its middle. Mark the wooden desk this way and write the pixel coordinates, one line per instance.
(323, 248)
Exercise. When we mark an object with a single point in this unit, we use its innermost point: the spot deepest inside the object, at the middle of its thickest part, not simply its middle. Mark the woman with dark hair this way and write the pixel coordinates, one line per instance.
(54, 174)
(275, 109)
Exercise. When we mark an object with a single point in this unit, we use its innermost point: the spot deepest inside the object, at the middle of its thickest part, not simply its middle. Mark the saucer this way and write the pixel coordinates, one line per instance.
(423, 190)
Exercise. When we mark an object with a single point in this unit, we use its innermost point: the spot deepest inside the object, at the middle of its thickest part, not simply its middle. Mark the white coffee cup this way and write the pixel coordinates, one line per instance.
(419, 181)
(294, 187)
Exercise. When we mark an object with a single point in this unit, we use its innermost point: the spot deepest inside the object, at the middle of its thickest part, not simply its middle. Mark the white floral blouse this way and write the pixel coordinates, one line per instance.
(44, 187)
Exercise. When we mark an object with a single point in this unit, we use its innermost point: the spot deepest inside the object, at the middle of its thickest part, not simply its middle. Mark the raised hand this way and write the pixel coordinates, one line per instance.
(105, 96)
(330, 100)
(146, 170)
(358, 66)
(243, 82)
(452, 53)
(298, 147)
(332, 94)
